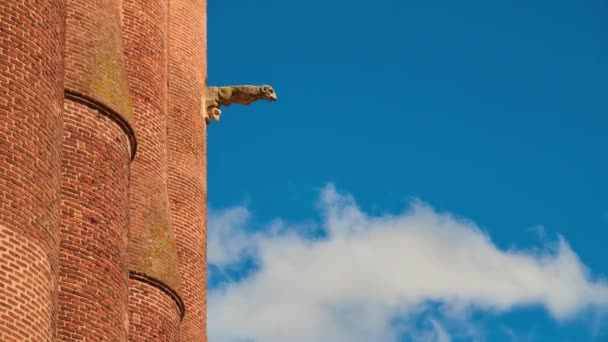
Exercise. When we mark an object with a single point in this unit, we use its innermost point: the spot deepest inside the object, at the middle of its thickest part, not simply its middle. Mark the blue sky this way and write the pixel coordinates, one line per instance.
(493, 112)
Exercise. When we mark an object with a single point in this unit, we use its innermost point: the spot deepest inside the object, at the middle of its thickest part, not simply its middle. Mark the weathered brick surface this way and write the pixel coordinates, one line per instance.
(97, 148)
(31, 98)
(151, 241)
(187, 136)
(94, 61)
(93, 289)
(152, 249)
(153, 314)
(65, 169)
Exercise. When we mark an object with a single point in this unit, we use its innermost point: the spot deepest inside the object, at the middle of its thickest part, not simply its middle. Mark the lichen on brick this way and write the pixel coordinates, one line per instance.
(159, 249)
(108, 81)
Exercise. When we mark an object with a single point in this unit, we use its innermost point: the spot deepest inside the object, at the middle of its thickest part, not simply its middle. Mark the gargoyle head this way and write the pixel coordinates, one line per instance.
(268, 93)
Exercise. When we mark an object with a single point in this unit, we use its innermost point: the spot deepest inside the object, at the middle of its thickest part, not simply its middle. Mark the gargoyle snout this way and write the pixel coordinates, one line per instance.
(268, 93)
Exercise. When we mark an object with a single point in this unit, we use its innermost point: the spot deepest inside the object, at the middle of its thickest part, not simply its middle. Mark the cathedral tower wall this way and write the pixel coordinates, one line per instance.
(32, 37)
(186, 133)
(98, 145)
(155, 308)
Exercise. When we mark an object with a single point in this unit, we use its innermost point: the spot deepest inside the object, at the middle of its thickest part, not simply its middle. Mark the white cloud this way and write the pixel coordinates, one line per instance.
(366, 271)
(440, 333)
(227, 240)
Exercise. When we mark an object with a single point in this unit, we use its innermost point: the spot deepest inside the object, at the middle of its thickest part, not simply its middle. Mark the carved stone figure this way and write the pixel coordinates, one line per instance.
(225, 96)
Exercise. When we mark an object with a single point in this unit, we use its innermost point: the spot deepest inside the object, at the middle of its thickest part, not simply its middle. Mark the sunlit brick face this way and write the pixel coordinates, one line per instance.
(98, 144)
(186, 133)
(93, 260)
(154, 314)
(31, 99)
(83, 224)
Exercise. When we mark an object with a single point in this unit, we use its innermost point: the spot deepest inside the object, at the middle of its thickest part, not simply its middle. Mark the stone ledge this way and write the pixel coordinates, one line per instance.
(107, 111)
(144, 278)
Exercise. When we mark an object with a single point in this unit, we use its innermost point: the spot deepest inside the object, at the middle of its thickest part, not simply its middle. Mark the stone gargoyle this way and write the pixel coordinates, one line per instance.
(215, 97)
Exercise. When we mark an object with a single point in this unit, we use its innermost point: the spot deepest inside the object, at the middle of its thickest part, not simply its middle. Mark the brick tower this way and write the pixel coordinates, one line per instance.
(104, 107)
(98, 145)
(31, 101)
(187, 144)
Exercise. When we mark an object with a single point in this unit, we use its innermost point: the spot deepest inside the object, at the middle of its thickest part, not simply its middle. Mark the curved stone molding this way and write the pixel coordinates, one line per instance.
(144, 278)
(107, 111)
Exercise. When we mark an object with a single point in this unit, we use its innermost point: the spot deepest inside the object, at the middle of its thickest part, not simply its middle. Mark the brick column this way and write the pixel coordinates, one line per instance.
(31, 99)
(186, 133)
(155, 307)
(98, 146)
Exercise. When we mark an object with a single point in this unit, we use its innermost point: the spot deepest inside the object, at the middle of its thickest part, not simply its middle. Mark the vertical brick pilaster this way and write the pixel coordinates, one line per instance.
(187, 143)
(32, 37)
(154, 314)
(98, 145)
(93, 287)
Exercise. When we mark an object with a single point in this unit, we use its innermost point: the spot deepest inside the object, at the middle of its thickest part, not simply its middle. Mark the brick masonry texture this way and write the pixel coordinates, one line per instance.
(187, 143)
(152, 247)
(153, 316)
(94, 61)
(93, 285)
(31, 100)
(102, 231)
(96, 152)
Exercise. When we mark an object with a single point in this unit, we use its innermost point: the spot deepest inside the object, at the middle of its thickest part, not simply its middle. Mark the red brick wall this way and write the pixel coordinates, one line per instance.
(153, 314)
(93, 259)
(152, 249)
(96, 152)
(94, 60)
(187, 136)
(151, 240)
(31, 98)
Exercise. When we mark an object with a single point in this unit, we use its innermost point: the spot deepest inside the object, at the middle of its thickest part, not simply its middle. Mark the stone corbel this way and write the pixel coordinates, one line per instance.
(215, 97)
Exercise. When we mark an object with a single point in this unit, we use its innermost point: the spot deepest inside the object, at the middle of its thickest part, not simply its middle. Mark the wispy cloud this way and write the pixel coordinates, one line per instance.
(364, 272)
